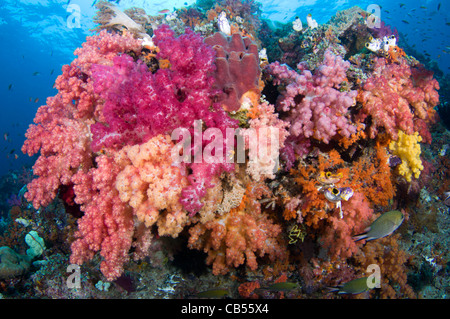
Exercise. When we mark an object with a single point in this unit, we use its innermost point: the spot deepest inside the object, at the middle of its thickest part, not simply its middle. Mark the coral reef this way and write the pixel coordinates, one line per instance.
(169, 141)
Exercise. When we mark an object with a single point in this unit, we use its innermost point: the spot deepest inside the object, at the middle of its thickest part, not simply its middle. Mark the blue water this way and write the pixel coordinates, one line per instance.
(36, 41)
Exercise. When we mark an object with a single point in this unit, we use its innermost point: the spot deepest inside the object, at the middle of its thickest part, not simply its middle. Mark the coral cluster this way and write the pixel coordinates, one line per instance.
(317, 105)
(399, 97)
(407, 147)
(187, 135)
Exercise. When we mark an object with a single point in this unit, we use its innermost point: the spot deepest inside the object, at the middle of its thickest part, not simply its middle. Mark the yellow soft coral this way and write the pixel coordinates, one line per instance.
(407, 147)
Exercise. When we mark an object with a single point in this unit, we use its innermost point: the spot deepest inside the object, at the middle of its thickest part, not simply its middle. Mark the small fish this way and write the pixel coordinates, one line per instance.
(439, 6)
(447, 198)
(404, 21)
(36, 100)
(387, 11)
(354, 287)
(36, 73)
(329, 178)
(51, 72)
(213, 293)
(334, 194)
(402, 5)
(12, 151)
(383, 226)
(164, 11)
(283, 286)
(16, 156)
(10, 86)
(423, 7)
(6, 136)
(447, 23)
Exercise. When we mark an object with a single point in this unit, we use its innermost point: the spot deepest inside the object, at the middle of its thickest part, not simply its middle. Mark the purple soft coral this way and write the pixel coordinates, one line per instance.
(139, 104)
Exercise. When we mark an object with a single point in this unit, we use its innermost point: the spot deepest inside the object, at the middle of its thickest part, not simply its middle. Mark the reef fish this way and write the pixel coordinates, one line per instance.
(383, 226)
(329, 178)
(213, 293)
(355, 286)
(334, 194)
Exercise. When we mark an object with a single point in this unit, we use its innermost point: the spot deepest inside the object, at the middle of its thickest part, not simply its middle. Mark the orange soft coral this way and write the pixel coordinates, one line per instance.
(313, 205)
(371, 175)
(387, 254)
(395, 53)
(239, 236)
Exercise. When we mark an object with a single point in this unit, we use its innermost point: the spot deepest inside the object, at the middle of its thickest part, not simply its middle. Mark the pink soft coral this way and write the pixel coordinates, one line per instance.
(317, 106)
(61, 132)
(107, 225)
(166, 100)
(264, 138)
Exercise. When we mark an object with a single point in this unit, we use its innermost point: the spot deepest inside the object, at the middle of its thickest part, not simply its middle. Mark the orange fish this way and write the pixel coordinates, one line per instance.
(36, 100)
(164, 11)
(16, 156)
